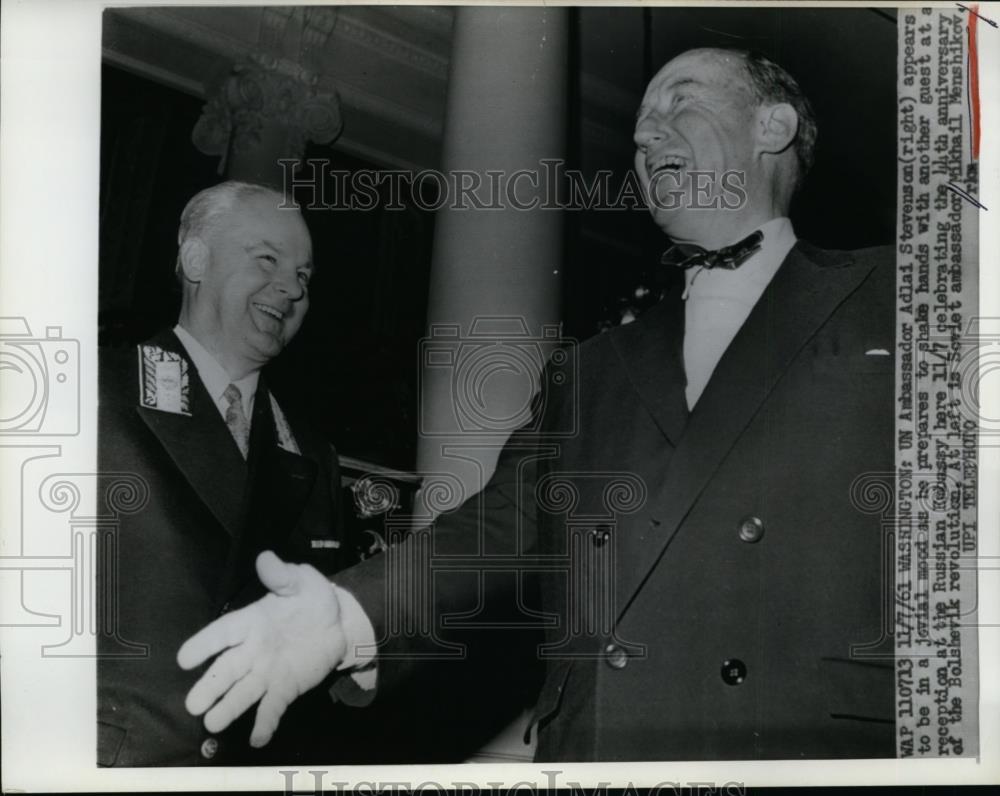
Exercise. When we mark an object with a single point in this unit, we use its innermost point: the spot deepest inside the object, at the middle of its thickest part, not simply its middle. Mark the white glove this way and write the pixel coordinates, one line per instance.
(276, 649)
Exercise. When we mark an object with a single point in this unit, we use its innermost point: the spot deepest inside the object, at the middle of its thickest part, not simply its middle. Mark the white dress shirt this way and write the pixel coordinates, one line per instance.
(718, 303)
(214, 376)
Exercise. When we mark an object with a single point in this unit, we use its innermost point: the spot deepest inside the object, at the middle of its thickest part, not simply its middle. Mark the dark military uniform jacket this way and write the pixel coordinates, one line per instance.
(184, 553)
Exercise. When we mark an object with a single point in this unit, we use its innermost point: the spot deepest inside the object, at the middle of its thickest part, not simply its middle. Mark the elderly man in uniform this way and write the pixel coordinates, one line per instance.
(226, 471)
(745, 585)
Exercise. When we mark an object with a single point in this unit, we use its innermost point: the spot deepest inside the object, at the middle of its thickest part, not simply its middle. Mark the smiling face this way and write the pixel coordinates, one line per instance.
(251, 270)
(699, 115)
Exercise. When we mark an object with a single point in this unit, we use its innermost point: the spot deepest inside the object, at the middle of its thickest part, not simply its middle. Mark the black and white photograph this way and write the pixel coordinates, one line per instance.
(477, 385)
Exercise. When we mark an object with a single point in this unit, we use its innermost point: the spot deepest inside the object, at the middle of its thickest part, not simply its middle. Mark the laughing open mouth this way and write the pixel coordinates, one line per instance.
(667, 163)
(268, 310)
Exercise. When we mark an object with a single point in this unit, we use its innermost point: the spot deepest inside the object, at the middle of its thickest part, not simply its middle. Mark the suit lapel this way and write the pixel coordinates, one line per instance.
(652, 353)
(279, 484)
(806, 290)
(277, 487)
(281, 480)
(201, 446)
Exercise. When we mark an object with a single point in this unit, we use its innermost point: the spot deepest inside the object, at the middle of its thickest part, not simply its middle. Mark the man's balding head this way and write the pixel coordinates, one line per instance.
(245, 260)
(738, 120)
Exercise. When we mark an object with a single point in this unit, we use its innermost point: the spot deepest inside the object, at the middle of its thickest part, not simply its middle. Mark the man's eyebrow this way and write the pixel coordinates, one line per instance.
(681, 81)
(261, 244)
(277, 247)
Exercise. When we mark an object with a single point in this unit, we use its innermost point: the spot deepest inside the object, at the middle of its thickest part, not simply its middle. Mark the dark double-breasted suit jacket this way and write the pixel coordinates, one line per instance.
(711, 583)
(185, 553)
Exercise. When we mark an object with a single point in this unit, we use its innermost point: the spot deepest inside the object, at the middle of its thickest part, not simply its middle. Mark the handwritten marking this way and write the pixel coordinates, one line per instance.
(987, 20)
(967, 196)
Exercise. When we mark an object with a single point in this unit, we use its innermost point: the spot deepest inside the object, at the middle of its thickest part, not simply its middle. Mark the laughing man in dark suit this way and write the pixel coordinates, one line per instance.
(228, 474)
(743, 581)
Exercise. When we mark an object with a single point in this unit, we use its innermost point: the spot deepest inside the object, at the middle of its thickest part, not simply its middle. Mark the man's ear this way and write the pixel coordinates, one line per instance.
(776, 127)
(194, 259)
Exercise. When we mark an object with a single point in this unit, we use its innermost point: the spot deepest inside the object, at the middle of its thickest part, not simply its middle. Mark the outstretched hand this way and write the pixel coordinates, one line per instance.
(273, 650)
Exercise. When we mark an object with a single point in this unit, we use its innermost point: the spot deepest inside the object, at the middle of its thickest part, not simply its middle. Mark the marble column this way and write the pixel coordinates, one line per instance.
(493, 308)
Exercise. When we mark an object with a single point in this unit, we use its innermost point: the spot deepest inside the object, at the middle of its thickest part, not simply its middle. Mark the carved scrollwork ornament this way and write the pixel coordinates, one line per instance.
(262, 91)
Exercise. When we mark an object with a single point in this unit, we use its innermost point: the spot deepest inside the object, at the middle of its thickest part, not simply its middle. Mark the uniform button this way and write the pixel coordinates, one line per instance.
(600, 535)
(209, 747)
(751, 529)
(616, 657)
(734, 671)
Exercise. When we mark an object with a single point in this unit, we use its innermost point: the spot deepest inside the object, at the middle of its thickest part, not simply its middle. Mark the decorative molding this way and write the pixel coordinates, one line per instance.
(317, 25)
(148, 34)
(347, 25)
(273, 27)
(433, 20)
(165, 76)
(260, 92)
(387, 44)
(172, 22)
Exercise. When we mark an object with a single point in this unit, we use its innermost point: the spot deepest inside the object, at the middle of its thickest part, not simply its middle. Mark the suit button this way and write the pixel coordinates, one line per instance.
(751, 529)
(600, 535)
(209, 747)
(734, 671)
(616, 657)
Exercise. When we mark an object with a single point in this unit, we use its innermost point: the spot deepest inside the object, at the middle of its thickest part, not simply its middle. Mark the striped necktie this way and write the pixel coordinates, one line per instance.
(236, 418)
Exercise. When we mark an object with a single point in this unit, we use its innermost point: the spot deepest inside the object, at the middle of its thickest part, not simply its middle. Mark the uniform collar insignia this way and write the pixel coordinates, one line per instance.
(286, 440)
(163, 380)
(164, 385)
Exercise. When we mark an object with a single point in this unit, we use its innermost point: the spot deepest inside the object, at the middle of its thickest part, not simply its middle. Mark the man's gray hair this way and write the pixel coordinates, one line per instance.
(206, 207)
(772, 84)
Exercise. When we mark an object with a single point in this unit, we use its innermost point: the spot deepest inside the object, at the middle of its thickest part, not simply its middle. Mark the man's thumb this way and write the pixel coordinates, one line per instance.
(276, 575)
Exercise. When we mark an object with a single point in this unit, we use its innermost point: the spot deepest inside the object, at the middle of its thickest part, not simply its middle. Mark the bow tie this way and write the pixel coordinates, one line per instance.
(687, 255)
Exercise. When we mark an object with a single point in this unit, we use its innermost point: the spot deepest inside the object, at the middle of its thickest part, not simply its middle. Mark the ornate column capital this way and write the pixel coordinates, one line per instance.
(262, 96)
